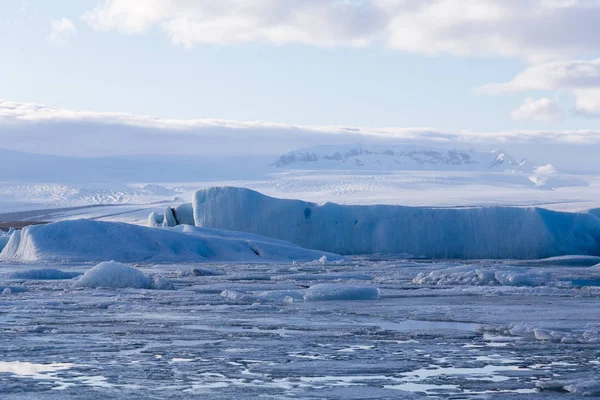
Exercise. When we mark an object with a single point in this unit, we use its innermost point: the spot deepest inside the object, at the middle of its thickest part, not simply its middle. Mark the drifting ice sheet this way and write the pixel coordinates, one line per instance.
(466, 233)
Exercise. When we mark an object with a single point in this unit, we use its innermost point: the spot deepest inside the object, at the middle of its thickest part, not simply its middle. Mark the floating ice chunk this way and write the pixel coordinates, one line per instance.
(573, 261)
(327, 292)
(205, 272)
(180, 215)
(42, 274)
(114, 275)
(169, 219)
(323, 277)
(275, 296)
(155, 220)
(12, 289)
(543, 334)
(4, 239)
(159, 283)
(481, 276)
(522, 278)
(583, 387)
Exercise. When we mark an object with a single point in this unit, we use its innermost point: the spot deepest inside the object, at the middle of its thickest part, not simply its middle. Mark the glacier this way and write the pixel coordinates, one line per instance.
(89, 240)
(442, 233)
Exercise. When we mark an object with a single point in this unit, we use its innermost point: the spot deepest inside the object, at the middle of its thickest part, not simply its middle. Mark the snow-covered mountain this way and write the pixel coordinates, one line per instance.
(399, 157)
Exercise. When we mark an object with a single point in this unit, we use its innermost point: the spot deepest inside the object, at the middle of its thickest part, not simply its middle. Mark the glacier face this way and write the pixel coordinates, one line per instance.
(458, 233)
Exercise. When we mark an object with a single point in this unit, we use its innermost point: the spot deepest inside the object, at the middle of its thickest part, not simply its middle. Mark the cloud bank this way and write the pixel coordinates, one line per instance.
(41, 129)
(532, 29)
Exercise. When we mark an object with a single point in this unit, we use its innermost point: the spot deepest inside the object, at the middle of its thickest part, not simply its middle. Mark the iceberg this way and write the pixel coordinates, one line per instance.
(446, 233)
(88, 240)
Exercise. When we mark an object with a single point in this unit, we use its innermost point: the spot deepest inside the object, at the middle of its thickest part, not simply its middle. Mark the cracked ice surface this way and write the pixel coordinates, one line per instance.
(245, 330)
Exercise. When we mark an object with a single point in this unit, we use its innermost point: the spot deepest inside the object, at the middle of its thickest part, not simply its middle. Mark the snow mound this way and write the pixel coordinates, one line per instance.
(42, 274)
(329, 292)
(112, 274)
(87, 240)
(465, 233)
(481, 276)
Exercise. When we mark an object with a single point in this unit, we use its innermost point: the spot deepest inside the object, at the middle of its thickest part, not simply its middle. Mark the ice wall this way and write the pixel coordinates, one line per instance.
(459, 233)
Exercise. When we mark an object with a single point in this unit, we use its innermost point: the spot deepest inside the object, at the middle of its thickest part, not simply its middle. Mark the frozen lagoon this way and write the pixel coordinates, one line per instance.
(418, 340)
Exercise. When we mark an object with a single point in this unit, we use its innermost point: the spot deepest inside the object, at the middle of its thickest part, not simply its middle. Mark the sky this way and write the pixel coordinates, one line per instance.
(452, 66)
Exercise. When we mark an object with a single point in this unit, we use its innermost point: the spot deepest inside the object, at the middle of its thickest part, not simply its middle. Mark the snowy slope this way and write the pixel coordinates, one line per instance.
(462, 233)
(86, 240)
(399, 157)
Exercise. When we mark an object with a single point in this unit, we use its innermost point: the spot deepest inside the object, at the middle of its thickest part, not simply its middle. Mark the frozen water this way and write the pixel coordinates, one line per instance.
(457, 233)
(216, 336)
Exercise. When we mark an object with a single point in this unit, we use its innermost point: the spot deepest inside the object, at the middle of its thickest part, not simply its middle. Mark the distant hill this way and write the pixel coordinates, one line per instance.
(399, 157)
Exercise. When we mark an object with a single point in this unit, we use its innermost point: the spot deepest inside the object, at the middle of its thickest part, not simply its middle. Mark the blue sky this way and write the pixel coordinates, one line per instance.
(295, 83)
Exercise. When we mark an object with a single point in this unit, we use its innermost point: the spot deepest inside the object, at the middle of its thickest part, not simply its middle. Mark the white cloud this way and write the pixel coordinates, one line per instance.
(315, 22)
(561, 75)
(60, 29)
(543, 110)
(580, 77)
(531, 29)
